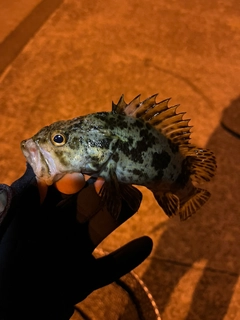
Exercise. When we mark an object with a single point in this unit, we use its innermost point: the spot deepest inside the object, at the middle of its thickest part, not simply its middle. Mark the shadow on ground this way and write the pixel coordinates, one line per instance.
(208, 244)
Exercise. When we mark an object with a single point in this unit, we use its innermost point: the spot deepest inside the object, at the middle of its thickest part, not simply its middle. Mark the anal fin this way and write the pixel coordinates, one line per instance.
(194, 203)
(131, 195)
(168, 201)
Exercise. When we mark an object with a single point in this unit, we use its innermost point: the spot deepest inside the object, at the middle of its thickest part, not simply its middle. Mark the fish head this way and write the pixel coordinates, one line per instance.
(81, 145)
(52, 152)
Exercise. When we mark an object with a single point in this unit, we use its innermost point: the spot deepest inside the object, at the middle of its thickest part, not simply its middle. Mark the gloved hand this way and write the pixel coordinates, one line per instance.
(46, 261)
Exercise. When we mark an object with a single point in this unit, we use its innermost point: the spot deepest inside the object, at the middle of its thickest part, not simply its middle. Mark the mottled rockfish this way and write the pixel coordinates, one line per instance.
(142, 143)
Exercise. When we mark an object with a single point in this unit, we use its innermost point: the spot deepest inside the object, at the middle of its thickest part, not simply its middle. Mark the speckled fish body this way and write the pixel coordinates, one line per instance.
(143, 143)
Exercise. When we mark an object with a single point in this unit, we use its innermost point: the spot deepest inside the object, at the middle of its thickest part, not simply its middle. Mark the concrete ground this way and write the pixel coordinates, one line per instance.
(62, 59)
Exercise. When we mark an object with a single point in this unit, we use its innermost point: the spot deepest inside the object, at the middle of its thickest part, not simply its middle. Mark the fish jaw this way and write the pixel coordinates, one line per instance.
(41, 161)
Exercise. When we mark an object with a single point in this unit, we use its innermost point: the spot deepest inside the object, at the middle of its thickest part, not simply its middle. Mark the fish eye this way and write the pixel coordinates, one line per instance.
(58, 139)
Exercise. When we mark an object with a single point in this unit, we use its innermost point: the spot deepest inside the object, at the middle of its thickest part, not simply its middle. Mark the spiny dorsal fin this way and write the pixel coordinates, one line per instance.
(132, 106)
(120, 106)
(155, 110)
(163, 118)
(144, 107)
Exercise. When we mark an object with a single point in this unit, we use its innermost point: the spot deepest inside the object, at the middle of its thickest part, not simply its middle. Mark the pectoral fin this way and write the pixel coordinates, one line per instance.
(113, 193)
(111, 197)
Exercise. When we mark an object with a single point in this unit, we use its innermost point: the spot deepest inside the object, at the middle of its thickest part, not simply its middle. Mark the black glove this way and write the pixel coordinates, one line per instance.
(46, 261)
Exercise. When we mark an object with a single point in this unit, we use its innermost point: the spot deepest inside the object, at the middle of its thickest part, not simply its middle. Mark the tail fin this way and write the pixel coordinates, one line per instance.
(201, 164)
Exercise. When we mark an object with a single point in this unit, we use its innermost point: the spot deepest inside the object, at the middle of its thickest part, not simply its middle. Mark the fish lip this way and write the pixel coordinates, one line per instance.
(35, 157)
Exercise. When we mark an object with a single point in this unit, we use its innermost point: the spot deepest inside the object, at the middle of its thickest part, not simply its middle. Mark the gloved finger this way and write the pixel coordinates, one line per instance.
(100, 222)
(88, 203)
(27, 187)
(22, 203)
(27, 178)
(89, 200)
(93, 215)
(5, 200)
(70, 183)
(9, 198)
(120, 262)
(103, 223)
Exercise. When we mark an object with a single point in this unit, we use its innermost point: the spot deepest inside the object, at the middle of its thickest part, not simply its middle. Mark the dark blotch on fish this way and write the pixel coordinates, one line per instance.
(160, 160)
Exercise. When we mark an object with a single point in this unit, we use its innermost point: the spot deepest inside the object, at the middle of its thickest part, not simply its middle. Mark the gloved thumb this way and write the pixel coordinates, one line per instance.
(120, 262)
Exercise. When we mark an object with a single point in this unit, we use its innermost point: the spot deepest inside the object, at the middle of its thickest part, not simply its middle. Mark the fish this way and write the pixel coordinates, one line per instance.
(143, 143)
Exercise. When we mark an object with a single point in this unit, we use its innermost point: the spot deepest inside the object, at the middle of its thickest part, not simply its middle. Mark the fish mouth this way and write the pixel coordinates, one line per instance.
(41, 161)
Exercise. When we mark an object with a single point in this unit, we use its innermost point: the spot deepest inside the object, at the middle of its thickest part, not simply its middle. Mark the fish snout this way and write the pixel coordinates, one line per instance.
(23, 144)
(28, 147)
(33, 156)
(39, 159)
